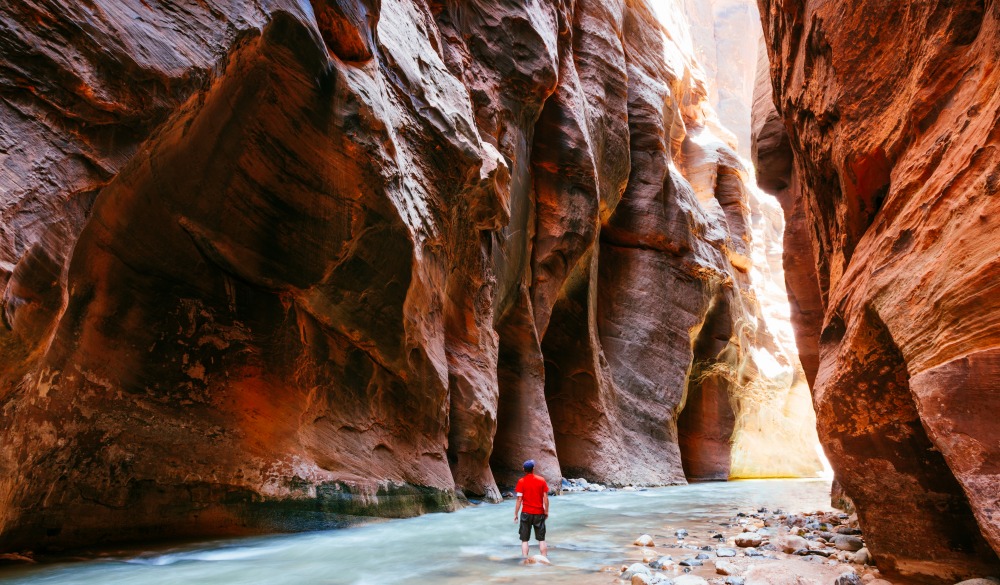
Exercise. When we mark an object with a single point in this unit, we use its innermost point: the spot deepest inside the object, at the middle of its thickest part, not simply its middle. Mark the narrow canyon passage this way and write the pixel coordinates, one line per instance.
(274, 267)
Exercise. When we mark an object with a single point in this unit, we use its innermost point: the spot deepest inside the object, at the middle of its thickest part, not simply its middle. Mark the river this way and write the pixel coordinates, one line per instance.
(586, 531)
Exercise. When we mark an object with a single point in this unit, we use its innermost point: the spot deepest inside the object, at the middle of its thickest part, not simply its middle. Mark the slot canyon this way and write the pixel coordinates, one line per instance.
(284, 266)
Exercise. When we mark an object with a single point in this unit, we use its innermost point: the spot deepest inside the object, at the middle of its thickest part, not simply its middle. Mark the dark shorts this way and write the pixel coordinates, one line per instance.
(529, 520)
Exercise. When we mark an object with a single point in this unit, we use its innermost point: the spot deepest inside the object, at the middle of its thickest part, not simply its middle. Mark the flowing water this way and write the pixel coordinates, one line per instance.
(586, 532)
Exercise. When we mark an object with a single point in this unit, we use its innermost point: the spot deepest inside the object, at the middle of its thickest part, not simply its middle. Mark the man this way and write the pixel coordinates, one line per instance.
(533, 493)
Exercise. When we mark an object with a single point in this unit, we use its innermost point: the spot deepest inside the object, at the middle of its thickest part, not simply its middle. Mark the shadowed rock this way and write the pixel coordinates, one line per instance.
(891, 260)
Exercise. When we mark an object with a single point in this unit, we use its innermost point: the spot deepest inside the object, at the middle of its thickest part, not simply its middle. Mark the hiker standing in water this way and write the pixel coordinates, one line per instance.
(533, 493)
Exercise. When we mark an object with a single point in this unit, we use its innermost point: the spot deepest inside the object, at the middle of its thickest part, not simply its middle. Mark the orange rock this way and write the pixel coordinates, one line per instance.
(890, 256)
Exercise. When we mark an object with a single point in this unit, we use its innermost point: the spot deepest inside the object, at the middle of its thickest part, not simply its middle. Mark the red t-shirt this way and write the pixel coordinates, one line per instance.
(532, 488)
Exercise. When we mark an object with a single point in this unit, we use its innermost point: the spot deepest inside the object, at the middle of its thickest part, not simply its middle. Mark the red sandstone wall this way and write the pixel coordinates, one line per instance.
(888, 177)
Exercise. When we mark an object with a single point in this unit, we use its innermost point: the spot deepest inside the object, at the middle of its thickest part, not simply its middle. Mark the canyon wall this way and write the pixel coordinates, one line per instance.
(884, 152)
(272, 266)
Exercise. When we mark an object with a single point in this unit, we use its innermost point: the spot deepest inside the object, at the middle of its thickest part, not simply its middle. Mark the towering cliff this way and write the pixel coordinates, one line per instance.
(270, 265)
(888, 173)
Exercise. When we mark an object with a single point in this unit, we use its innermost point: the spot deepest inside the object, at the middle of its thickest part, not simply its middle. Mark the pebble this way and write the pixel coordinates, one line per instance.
(702, 557)
(681, 533)
(748, 539)
(644, 540)
(691, 563)
(725, 552)
(641, 579)
(661, 563)
(735, 581)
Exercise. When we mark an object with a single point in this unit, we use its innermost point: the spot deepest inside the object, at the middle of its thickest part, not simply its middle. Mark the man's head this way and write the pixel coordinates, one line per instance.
(529, 466)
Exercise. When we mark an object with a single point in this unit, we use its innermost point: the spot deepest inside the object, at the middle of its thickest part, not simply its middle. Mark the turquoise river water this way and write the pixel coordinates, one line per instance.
(586, 532)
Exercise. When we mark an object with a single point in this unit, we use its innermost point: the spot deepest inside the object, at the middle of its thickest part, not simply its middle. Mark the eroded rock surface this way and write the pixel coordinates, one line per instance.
(888, 175)
(275, 266)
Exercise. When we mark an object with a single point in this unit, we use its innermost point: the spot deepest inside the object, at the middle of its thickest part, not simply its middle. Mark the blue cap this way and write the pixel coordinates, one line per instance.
(529, 464)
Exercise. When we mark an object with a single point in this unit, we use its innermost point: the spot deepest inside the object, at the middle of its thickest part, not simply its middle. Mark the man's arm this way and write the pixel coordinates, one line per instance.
(545, 503)
(517, 507)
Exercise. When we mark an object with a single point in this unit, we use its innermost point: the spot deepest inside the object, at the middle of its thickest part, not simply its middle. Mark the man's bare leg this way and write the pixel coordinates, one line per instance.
(524, 549)
(545, 549)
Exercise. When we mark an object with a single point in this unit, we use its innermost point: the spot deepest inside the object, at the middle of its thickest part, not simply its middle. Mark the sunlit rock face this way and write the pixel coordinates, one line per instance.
(724, 35)
(774, 434)
(887, 175)
(270, 267)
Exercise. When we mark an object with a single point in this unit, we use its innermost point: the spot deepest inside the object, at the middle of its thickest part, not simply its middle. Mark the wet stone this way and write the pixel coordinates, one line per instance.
(725, 552)
(644, 540)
